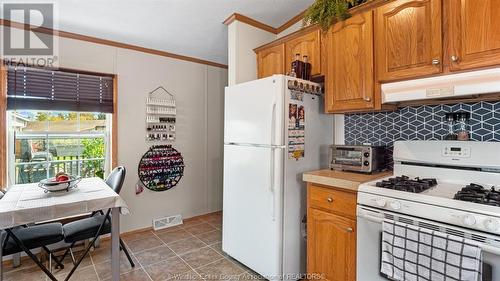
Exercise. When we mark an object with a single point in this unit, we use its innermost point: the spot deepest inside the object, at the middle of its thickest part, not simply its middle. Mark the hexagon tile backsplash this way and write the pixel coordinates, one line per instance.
(421, 123)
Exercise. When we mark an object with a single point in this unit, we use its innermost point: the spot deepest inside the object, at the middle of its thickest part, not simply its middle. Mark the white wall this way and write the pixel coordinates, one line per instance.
(242, 60)
(242, 39)
(294, 27)
(338, 129)
(199, 93)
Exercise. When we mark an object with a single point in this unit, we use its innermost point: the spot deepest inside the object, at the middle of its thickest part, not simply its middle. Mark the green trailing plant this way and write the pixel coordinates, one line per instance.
(326, 12)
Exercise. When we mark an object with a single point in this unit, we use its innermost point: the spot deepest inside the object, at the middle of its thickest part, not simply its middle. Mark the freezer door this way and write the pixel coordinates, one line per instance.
(252, 207)
(254, 112)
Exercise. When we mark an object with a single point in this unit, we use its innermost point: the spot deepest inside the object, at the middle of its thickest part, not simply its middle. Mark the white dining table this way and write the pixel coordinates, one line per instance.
(28, 203)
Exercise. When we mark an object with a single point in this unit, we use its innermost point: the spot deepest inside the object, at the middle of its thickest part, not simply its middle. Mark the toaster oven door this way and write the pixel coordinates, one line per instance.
(347, 157)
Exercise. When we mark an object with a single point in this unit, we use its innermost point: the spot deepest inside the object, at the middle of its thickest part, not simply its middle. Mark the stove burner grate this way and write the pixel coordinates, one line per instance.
(404, 183)
(479, 194)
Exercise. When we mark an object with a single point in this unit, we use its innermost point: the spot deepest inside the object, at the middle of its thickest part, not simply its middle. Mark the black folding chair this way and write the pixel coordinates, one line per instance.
(95, 225)
(25, 239)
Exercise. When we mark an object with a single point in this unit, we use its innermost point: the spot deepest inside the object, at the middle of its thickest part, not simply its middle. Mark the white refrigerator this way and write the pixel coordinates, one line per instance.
(271, 136)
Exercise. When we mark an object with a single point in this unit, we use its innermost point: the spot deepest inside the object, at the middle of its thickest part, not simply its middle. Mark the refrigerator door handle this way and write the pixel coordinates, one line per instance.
(272, 175)
(273, 124)
(273, 135)
(271, 186)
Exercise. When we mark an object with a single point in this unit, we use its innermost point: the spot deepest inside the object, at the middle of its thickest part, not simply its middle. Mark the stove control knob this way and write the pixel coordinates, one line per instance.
(469, 220)
(366, 154)
(491, 225)
(380, 202)
(395, 205)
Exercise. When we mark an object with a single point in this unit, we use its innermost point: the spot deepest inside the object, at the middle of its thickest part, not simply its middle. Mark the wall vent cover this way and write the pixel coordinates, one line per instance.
(167, 222)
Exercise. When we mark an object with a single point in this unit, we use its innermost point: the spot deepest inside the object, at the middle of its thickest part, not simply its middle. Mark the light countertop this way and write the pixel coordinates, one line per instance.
(341, 179)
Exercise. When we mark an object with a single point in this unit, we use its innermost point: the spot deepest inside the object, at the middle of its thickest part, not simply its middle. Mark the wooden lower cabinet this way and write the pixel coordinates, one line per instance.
(331, 242)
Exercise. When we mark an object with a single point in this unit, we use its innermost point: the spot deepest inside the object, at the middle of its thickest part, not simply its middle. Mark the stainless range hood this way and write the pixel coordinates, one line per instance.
(447, 86)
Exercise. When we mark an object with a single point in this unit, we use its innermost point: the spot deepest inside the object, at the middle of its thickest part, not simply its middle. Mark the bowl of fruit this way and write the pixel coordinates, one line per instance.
(61, 182)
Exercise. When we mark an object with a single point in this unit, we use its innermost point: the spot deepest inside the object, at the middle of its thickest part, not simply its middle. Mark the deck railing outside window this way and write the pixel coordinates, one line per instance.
(76, 143)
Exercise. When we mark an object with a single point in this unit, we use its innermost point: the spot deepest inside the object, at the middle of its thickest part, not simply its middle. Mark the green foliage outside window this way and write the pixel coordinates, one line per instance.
(93, 148)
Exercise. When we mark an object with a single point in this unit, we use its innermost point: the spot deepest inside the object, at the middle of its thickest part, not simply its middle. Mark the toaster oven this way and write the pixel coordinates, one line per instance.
(358, 158)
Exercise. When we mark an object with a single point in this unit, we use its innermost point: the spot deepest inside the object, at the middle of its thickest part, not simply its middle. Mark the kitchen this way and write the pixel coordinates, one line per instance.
(332, 140)
(414, 91)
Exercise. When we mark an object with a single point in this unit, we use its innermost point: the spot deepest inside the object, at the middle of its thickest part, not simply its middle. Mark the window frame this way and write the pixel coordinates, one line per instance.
(3, 121)
(3, 128)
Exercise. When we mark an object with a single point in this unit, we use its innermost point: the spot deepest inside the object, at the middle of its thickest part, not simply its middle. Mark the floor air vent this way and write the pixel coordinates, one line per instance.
(167, 222)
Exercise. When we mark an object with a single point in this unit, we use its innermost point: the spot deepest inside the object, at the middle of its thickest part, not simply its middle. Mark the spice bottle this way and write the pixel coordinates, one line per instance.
(293, 73)
(307, 68)
(298, 66)
(451, 120)
(463, 126)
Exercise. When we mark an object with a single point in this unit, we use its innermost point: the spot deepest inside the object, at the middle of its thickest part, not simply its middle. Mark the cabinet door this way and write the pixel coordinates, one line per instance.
(331, 246)
(408, 39)
(473, 33)
(271, 61)
(349, 69)
(306, 45)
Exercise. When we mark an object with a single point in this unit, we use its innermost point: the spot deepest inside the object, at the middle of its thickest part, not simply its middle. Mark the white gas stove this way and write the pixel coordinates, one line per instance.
(448, 186)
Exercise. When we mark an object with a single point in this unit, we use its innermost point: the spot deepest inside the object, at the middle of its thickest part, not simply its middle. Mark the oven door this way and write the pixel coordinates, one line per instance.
(369, 238)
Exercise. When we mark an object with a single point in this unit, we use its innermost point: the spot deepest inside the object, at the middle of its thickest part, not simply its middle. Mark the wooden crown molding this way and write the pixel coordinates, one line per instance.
(107, 42)
(291, 21)
(369, 5)
(249, 21)
(263, 26)
(287, 37)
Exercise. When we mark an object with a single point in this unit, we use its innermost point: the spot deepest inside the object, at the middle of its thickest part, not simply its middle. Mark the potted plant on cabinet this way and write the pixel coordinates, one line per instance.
(326, 12)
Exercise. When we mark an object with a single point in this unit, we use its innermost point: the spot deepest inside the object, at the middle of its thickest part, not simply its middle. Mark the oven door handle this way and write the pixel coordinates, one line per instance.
(366, 215)
(484, 247)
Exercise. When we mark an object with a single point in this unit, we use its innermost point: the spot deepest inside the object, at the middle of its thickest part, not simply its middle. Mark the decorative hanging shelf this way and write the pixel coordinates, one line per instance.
(160, 115)
(161, 168)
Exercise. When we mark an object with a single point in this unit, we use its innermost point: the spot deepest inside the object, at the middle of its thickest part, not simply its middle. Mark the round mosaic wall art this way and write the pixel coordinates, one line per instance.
(161, 168)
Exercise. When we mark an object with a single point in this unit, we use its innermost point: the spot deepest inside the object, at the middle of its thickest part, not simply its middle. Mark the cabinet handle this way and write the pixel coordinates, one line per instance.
(329, 199)
(435, 62)
(348, 229)
(454, 58)
(367, 99)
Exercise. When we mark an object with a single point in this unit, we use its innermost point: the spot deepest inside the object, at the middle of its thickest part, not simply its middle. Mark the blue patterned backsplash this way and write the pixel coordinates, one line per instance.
(421, 123)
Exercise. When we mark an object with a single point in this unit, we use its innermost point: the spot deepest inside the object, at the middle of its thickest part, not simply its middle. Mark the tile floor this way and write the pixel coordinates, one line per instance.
(191, 251)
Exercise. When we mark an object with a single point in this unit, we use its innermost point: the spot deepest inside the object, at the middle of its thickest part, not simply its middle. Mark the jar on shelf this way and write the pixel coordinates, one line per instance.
(451, 120)
(463, 131)
(307, 69)
(297, 66)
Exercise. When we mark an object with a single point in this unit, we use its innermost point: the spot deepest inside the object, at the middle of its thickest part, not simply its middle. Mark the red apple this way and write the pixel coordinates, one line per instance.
(62, 178)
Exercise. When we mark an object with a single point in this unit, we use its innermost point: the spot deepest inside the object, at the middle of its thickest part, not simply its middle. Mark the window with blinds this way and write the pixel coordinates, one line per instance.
(31, 88)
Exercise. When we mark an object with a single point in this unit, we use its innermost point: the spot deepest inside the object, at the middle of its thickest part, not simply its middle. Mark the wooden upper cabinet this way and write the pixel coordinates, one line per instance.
(306, 45)
(271, 61)
(473, 33)
(331, 246)
(408, 39)
(349, 74)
